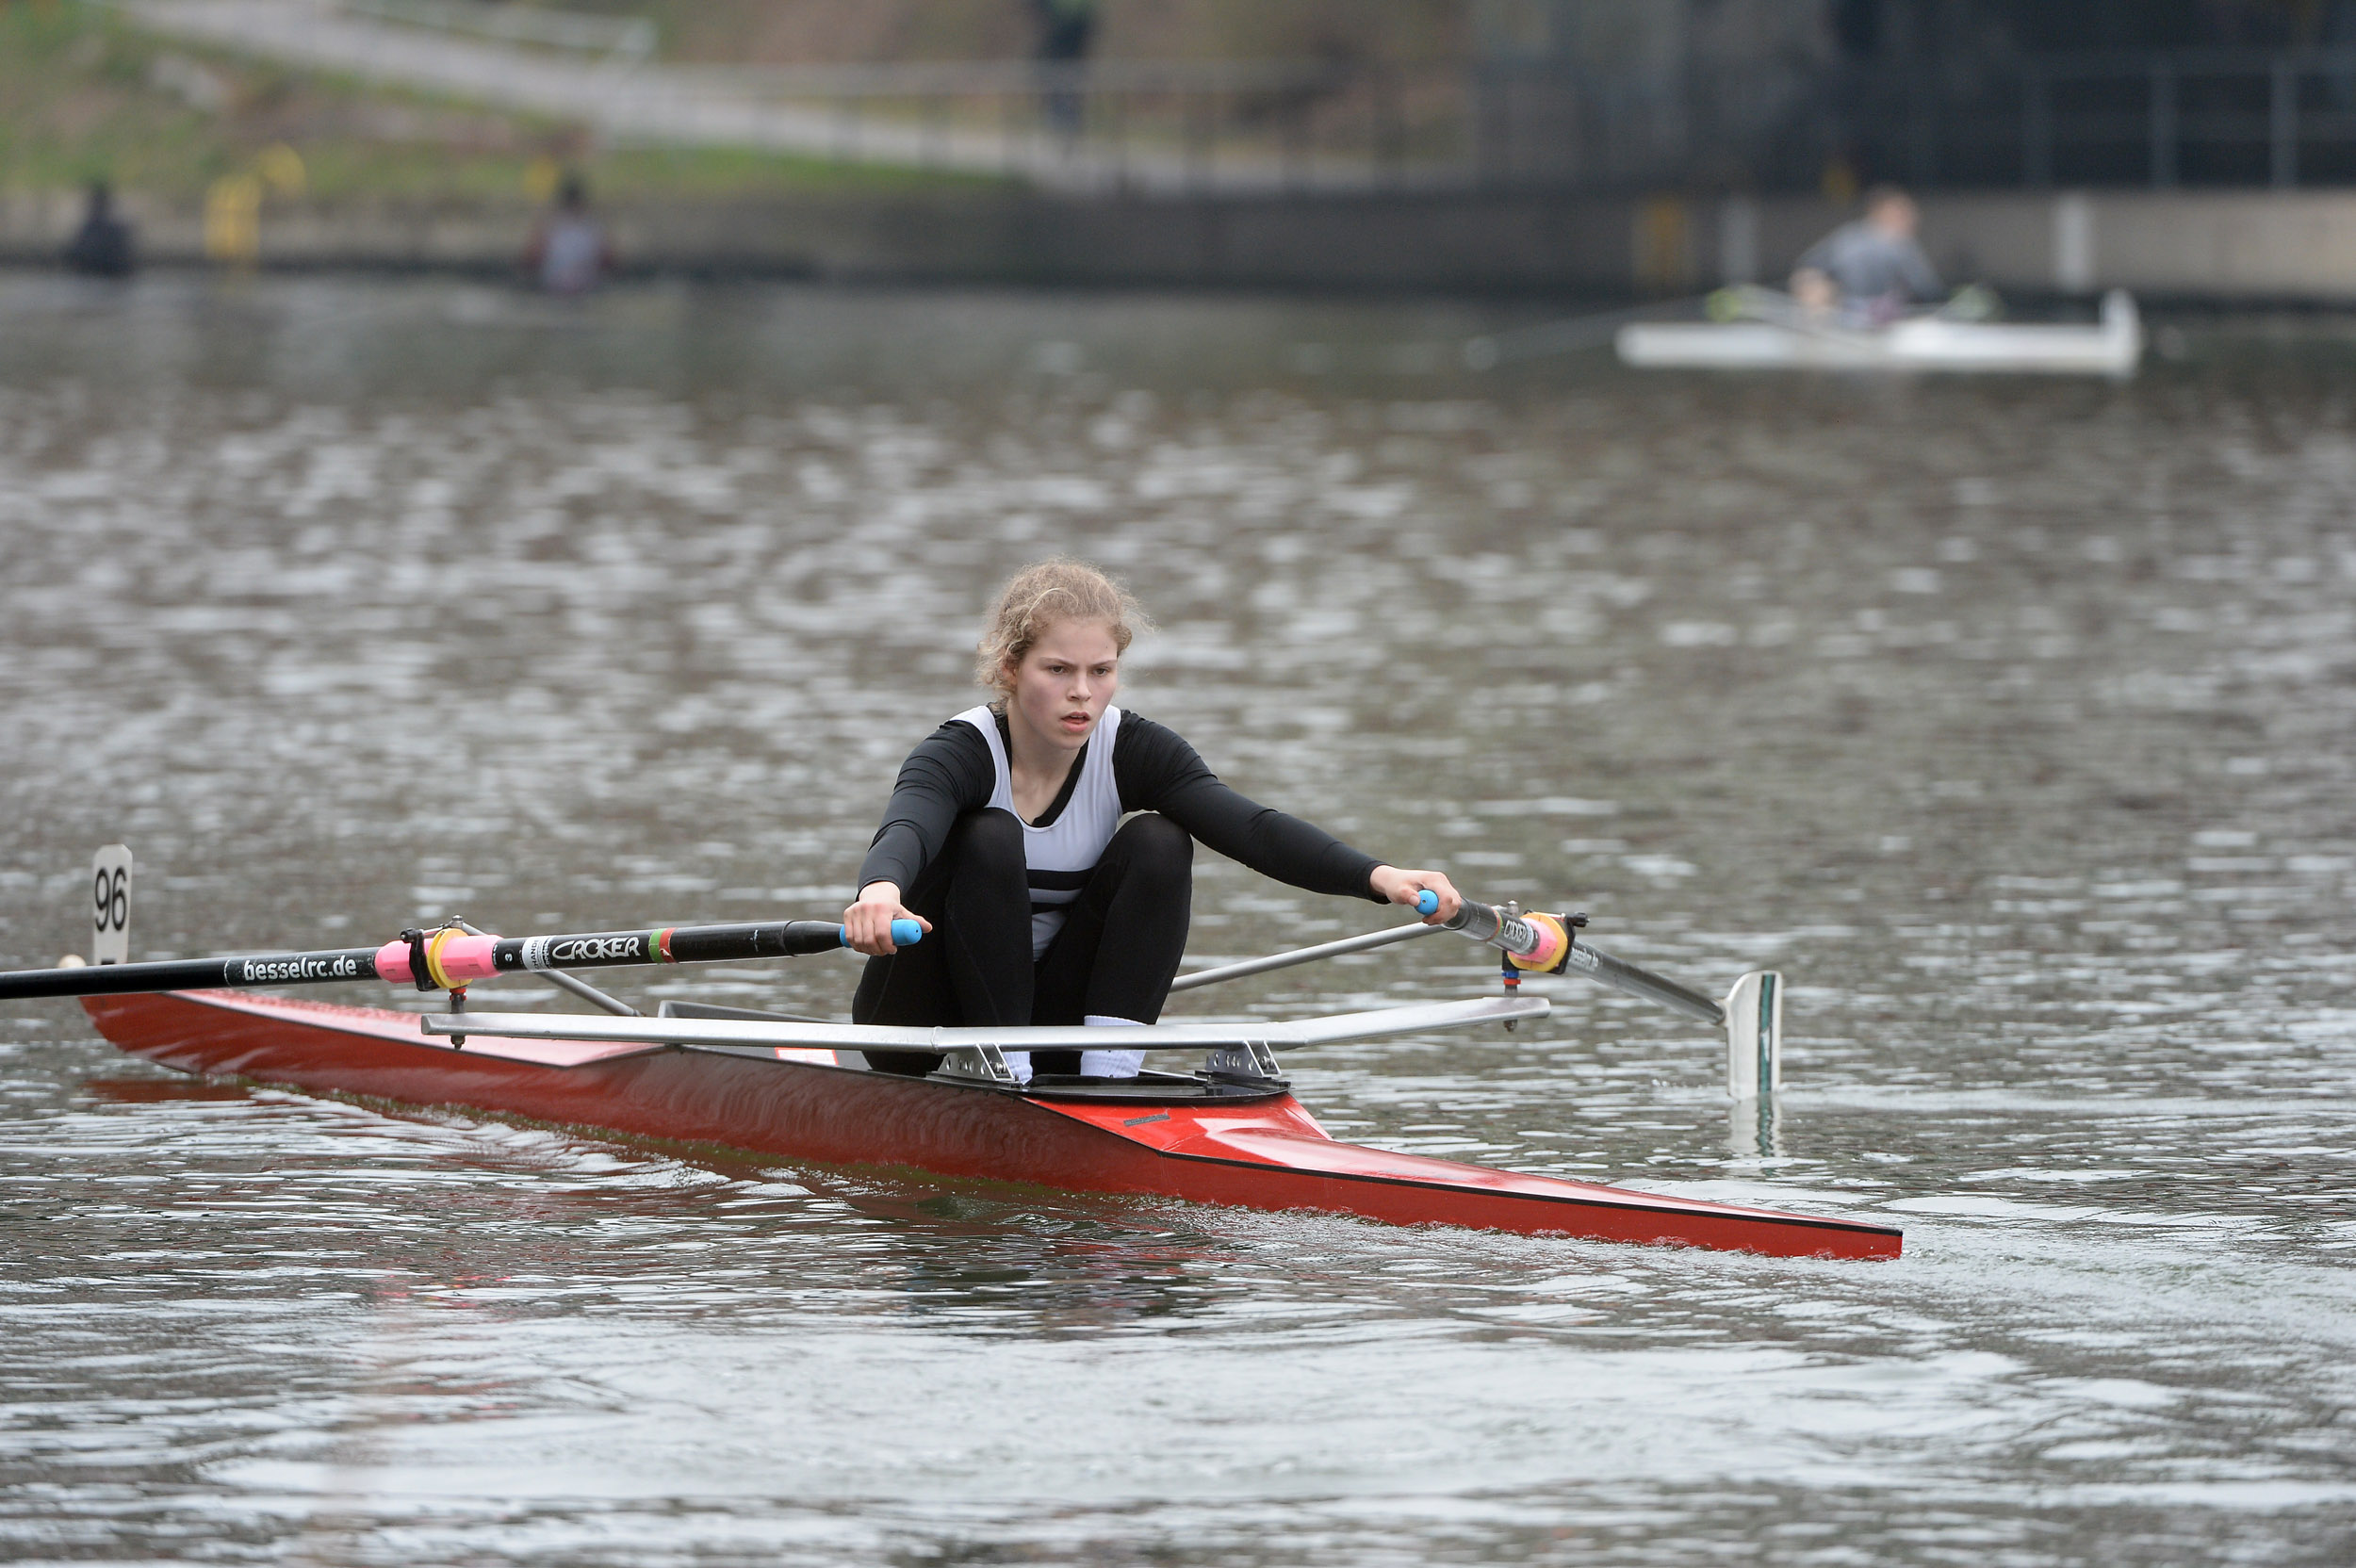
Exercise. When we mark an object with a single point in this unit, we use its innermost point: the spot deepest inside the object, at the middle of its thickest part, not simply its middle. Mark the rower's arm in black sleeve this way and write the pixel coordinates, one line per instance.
(1156, 771)
(948, 774)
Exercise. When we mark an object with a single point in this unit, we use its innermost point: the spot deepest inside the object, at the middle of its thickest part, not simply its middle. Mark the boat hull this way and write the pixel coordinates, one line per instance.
(1920, 344)
(1262, 1151)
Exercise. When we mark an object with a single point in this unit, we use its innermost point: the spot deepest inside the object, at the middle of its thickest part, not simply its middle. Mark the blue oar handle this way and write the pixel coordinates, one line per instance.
(1427, 903)
(905, 933)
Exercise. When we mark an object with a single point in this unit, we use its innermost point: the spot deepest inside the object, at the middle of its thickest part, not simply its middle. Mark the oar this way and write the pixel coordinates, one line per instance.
(1750, 303)
(448, 959)
(565, 982)
(1546, 945)
(1972, 303)
(1752, 1013)
(1567, 336)
(1539, 944)
(1304, 955)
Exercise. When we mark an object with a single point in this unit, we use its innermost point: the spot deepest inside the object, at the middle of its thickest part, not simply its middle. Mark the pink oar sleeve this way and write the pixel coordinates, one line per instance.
(458, 958)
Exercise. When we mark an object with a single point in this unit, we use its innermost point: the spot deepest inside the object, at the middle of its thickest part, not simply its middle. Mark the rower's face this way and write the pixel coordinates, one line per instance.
(1065, 682)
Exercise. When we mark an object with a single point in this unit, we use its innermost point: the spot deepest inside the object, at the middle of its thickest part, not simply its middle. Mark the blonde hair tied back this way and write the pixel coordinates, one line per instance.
(1044, 596)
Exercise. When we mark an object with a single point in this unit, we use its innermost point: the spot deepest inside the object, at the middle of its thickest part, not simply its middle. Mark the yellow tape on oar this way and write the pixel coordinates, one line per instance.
(1554, 945)
(433, 959)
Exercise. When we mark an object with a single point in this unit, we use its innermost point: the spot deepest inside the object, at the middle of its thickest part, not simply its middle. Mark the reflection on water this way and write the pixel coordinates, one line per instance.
(2009, 721)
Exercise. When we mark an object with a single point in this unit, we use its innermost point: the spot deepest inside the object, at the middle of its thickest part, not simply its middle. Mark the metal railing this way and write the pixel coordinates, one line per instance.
(2188, 117)
(2210, 114)
(2208, 117)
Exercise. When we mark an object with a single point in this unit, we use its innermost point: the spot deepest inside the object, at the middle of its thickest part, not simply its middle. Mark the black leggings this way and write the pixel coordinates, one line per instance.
(1115, 956)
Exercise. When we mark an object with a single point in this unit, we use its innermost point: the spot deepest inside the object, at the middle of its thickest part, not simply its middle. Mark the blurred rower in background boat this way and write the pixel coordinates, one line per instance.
(1865, 273)
(1005, 834)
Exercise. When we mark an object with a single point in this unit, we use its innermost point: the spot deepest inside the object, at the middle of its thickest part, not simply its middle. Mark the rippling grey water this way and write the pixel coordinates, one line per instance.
(2011, 721)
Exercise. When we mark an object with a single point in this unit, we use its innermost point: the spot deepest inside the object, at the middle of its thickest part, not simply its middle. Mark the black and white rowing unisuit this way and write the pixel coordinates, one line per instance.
(1063, 847)
(1129, 764)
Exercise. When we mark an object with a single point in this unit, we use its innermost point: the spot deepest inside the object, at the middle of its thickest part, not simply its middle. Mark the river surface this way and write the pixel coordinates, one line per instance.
(2011, 721)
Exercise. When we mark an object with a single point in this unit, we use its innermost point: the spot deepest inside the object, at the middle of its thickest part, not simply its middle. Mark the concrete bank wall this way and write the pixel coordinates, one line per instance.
(2227, 248)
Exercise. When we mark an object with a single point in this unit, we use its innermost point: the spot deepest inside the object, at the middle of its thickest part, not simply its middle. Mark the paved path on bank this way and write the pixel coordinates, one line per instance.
(704, 107)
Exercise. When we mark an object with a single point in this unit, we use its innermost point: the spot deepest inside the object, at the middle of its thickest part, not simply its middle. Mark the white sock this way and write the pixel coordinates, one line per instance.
(1019, 1062)
(1110, 1064)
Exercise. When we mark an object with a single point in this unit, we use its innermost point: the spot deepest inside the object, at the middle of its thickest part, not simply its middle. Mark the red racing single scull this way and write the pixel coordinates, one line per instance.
(1230, 1133)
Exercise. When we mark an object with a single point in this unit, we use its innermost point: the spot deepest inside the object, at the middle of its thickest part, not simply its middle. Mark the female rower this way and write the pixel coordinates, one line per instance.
(1005, 841)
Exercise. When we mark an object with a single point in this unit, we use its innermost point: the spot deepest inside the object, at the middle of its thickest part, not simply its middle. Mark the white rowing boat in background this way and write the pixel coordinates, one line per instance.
(1916, 343)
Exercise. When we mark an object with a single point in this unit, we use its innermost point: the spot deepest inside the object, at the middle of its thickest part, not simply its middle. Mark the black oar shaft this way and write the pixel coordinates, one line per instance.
(468, 958)
(684, 944)
(1520, 936)
(187, 974)
(1621, 976)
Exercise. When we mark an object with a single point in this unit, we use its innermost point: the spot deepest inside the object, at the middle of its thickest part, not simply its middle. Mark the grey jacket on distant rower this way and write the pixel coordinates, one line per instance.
(1869, 263)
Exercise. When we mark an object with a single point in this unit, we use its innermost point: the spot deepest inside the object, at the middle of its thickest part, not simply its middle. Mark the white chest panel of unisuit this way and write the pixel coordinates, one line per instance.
(1060, 854)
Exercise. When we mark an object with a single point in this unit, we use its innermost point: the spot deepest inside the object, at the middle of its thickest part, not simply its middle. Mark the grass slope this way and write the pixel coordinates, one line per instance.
(88, 96)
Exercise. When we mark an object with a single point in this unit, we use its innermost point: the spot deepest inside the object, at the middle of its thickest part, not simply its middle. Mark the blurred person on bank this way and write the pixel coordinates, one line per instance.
(1869, 271)
(568, 253)
(1066, 28)
(101, 248)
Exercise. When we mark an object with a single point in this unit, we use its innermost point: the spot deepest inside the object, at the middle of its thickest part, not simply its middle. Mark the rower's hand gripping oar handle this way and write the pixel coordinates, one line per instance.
(1534, 943)
(1538, 945)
